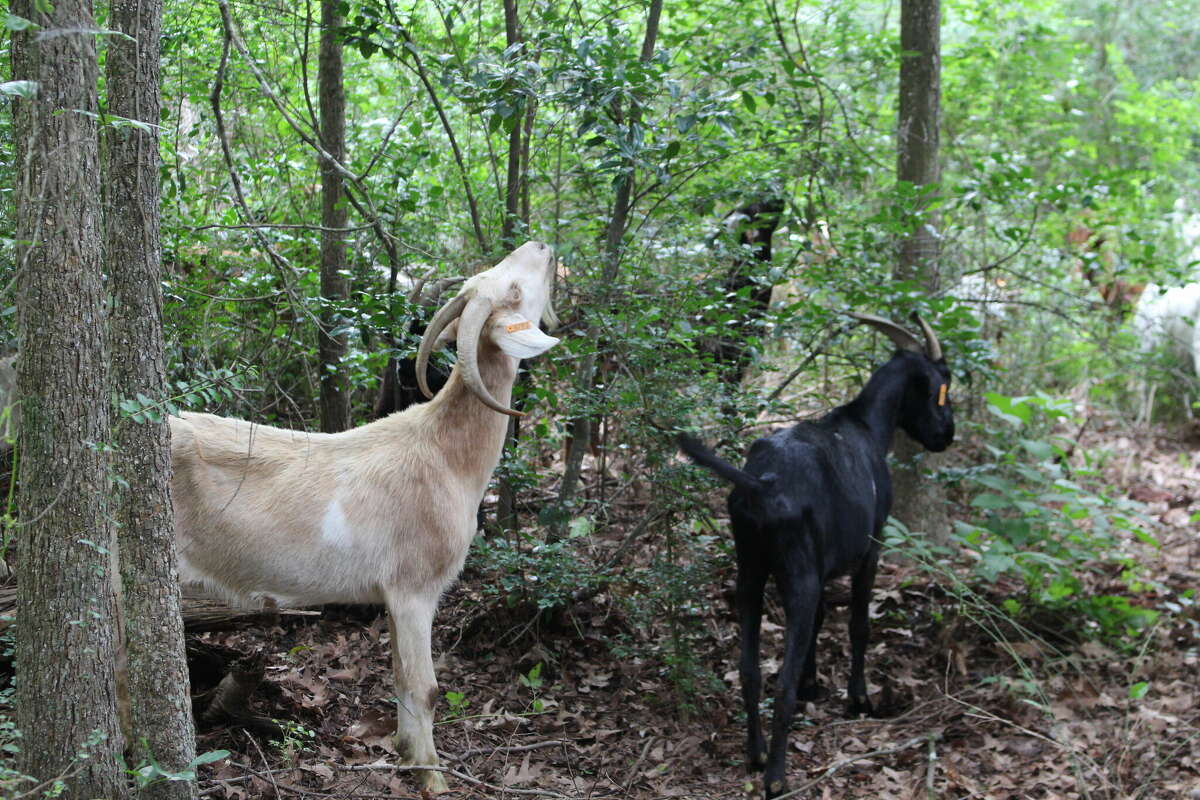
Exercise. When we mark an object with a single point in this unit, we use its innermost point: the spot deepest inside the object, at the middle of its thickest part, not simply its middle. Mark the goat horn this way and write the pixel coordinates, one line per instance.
(933, 347)
(899, 336)
(445, 315)
(470, 327)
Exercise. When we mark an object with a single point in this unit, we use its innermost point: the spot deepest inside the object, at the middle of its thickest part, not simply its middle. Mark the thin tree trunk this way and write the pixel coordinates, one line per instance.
(919, 504)
(580, 428)
(160, 707)
(506, 509)
(917, 131)
(66, 612)
(512, 184)
(335, 288)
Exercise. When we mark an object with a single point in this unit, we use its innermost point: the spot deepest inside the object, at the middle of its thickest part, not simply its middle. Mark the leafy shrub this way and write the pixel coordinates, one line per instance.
(1046, 523)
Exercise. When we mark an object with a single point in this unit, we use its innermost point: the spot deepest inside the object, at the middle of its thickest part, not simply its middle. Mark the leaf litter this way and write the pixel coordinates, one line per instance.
(965, 715)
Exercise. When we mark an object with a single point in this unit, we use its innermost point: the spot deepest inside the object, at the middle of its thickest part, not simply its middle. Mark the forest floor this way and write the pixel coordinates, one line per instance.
(970, 707)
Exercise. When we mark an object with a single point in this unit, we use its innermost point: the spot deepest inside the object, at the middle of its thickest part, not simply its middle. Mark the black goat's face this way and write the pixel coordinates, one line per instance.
(928, 415)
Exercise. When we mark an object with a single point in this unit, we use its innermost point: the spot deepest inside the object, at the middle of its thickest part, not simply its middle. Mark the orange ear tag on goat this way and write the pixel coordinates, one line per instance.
(942, 395)
(524, 325)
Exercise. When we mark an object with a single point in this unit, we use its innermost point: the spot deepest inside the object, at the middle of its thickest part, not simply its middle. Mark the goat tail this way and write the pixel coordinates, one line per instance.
(694, 449)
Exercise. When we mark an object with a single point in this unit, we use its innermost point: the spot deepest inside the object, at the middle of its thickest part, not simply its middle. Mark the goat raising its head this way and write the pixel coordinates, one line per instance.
(495, 307)
(809, 505)
(381, 513)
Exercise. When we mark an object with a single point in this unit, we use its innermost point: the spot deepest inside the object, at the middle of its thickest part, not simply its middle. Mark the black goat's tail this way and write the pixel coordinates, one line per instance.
(694, 449)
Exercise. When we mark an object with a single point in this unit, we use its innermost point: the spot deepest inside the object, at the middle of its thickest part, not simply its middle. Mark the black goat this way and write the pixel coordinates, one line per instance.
(809, 506)
(398, 387)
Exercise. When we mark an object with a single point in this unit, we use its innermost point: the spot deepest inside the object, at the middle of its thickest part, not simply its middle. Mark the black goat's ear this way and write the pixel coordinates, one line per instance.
(899, 336)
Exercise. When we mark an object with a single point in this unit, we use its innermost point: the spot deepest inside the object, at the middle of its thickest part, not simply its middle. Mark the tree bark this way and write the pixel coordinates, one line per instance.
(335, 288)
(66, 694)
(160, 708)
(919, 504)
(506, 508)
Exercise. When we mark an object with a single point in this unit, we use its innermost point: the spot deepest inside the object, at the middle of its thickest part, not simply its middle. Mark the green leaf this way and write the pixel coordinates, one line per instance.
(209, 757)
(26, 89)
(990, 501)
(1138, 690)
(15, 23)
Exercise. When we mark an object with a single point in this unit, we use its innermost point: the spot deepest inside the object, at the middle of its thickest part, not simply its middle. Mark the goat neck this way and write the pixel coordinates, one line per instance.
(468, 433)
(878, 405)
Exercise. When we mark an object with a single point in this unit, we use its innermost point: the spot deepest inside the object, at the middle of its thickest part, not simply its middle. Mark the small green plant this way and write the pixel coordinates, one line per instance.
(151, 772)
(532, 680)
(296, 739)
(458, 703)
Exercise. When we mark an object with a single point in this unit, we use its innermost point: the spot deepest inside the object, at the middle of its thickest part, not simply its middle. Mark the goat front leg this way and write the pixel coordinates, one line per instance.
(861, 585)
(411, 623)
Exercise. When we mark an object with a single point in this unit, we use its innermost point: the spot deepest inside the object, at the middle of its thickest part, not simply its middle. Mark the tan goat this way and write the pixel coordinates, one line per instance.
(382, 513)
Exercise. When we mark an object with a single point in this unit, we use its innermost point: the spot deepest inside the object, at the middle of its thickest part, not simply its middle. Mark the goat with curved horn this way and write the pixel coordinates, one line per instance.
(381, 513)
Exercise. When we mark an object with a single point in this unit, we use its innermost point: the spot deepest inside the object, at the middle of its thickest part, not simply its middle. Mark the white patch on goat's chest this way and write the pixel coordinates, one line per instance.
(334, 529)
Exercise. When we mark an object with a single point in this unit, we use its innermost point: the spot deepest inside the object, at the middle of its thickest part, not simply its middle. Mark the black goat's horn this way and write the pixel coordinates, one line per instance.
(933, 347)
(899, 336)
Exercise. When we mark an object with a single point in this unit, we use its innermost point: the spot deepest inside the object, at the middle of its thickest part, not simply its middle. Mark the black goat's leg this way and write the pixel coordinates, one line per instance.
(861, 585)
(801, 594)
(751, 581)
(809, 688)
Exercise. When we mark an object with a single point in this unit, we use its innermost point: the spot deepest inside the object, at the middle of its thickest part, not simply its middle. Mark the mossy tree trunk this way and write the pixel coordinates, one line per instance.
(335, 286)
(920, 503)
(160, 707)
(66, 649)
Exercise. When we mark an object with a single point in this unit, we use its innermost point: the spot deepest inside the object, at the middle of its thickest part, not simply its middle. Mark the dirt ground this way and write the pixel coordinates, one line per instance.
(970, 707)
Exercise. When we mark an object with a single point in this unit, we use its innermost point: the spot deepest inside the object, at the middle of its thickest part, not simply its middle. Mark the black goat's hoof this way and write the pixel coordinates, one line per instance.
(756, 762)
(814, 693)
(858, 707)
(774, 788)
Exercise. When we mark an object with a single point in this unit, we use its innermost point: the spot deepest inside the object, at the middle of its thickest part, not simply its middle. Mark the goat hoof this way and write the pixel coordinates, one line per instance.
(775, 788)
(859, 707)
(756, 757)
(433, 783)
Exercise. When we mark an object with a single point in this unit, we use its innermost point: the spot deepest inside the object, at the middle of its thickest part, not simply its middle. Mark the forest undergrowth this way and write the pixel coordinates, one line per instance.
(585, 701)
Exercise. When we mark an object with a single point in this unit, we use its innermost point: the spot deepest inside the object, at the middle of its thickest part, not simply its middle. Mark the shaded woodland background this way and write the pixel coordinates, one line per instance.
(1037, 637)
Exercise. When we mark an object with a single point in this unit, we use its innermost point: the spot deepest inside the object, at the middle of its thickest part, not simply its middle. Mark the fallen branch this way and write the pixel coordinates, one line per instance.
(453, 772)
(905, 745)
(517, 748)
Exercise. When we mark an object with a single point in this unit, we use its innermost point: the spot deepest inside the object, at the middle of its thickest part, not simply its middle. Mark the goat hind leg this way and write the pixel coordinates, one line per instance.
(411, 623)
(810, 689)
(802, 594)
(860, 629)
(751, 583)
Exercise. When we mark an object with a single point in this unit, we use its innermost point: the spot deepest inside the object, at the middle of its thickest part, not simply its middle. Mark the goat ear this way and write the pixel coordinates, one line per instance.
(518, 337)
(448, 336)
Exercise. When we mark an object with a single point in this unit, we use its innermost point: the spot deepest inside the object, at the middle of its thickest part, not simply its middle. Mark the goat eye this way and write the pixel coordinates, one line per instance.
(942, 394)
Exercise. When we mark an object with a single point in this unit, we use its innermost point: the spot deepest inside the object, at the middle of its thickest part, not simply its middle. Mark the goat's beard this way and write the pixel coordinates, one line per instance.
(549, 317)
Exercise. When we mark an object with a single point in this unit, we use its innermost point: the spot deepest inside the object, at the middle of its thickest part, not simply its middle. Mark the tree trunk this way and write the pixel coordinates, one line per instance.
(514, 215)
(160, 708)
(335, 288)
(920, 504)
(66, 613)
